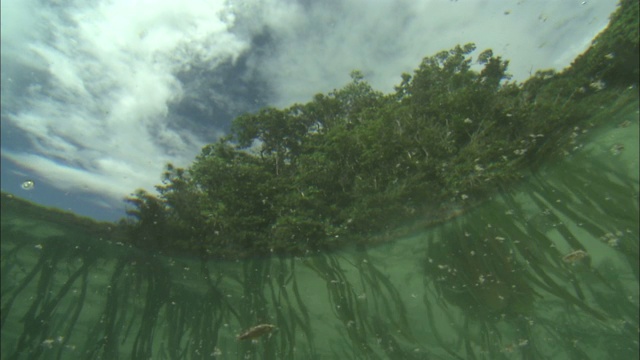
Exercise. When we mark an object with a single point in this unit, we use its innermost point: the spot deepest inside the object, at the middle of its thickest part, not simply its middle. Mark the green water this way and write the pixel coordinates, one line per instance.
(489, 284)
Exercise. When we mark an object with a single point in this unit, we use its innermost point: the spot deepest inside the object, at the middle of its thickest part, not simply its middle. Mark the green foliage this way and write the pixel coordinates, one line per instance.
(355, 162)
(614, 55)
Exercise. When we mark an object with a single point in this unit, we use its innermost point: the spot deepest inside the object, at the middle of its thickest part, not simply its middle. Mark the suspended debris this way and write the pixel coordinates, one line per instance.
(256, 332)
(574, 256)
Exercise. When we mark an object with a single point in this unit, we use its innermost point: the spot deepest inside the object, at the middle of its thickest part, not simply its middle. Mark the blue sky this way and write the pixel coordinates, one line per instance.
(97, 96)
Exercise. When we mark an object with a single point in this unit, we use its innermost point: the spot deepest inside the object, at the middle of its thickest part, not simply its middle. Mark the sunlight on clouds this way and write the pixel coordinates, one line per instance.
(172, 33)
(18, 25)
(100, 117)
(315, 47)
(101, 121)
(70, 178)
(69, 80)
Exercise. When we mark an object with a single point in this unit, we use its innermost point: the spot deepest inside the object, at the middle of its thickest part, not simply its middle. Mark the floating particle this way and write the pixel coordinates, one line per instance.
(624, 124)
(256, 332)
(611, 239)
(574, 256)
(597, 85)
(523, 342)
(28, 185)
(616, 149)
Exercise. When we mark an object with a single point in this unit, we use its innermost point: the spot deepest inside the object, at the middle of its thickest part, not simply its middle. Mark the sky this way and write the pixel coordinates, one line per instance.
(98, 96)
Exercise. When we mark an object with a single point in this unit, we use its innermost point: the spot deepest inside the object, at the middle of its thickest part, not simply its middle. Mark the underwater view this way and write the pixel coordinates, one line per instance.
(462, 215)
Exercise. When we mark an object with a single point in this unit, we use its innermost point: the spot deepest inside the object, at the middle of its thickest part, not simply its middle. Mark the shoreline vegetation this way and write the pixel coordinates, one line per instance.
(357, 167)
(18, 212)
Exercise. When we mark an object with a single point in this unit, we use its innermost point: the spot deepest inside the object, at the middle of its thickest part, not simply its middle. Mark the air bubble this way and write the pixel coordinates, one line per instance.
(28, 185)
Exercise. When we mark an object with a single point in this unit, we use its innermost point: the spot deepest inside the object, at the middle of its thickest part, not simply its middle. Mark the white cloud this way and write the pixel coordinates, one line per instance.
(75, 179)
(99, 123)
(317, 46)
(18, 26)
(100, 120)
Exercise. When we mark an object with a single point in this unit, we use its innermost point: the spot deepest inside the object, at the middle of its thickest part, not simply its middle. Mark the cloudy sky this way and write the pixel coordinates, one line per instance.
(98, 95)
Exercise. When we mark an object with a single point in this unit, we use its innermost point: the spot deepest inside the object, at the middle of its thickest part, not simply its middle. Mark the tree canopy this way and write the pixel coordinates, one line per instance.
(356, 163)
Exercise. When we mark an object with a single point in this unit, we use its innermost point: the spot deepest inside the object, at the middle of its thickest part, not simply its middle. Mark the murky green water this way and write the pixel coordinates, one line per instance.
(493, 283)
